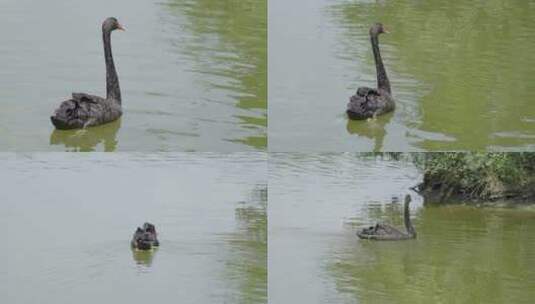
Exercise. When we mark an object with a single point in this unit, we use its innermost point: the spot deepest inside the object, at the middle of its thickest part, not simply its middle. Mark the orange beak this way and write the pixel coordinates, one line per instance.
(120, 27)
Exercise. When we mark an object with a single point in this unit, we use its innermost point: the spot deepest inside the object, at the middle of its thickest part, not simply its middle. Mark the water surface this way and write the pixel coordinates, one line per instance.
(192, 74)
(68, 219)
(462, 254)
(460, 71)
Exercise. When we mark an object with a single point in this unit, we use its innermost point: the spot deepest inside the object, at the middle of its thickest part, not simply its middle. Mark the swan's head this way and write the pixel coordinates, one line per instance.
(111, 24)
(377, 29)
(408, 199)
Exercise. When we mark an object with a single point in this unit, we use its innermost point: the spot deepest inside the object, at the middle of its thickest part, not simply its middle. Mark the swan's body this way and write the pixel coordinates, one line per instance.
(369, 102)
(145, 238)
(385, 232)
(84, 110)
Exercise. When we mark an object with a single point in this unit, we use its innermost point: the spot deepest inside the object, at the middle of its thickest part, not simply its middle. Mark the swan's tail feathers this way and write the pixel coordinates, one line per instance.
(358, 107)
(72, 113)
(59, 124)
(63, 120)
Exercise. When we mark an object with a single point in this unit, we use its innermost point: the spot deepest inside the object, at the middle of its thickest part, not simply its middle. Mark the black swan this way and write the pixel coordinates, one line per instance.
(85, 110)
(368, 102)
(145, 238)
(385, 232)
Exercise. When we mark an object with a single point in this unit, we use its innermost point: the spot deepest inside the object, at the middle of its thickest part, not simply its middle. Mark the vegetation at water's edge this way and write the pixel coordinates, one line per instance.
(477, 176)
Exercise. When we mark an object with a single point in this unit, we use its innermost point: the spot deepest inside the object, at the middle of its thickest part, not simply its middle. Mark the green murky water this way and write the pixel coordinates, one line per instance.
(192, 74)
(461, 73)
(462, 254)
(68, 220)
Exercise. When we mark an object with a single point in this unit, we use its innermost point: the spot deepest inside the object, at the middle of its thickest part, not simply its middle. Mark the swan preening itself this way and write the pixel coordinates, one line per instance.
(84, 110)
(369, 102)
(385, 232)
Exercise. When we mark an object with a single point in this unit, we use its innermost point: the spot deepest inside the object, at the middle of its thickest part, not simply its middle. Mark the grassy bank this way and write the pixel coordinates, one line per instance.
(477, 176)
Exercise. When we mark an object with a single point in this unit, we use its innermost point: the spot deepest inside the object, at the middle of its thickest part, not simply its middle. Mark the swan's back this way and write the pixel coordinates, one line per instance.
(368, 102)
(382, 232)
(84, 110)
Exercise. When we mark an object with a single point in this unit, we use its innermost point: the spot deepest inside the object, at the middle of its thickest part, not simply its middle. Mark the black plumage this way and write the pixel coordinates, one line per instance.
(369, 102)
(84, 110)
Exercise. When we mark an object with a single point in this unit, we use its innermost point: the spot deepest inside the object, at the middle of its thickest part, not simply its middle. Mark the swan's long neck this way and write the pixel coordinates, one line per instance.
(382, 79)
(407, 218)
(112, 81)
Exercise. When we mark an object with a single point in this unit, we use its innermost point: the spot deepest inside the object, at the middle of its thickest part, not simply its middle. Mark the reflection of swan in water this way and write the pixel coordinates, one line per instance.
(374, 129)
(385, 232)
(88, 139)
(144, 257)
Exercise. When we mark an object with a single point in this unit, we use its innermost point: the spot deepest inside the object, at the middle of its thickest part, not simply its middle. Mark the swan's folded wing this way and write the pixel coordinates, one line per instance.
(365, 91)
(356, 101)
(359, 108)
(384, 229)
(83, 97)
